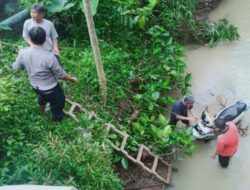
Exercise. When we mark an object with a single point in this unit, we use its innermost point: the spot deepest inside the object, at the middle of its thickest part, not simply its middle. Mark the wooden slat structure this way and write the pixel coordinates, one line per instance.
(122, 148)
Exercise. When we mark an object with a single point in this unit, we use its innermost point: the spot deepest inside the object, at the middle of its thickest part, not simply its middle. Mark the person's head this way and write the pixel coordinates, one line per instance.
(188, 101)
(221, 126)
(37, 12)
(37, 35)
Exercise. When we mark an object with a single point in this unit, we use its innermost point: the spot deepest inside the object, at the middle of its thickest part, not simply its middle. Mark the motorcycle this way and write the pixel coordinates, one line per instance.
(204, 129)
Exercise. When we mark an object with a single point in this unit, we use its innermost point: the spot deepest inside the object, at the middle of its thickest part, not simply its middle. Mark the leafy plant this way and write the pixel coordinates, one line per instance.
(4, 27)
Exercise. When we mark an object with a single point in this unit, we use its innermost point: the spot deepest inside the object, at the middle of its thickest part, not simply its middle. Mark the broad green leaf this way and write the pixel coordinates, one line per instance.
(137, 127)
(165, 85)
(174, 73)
(167, 68)
(162, 119)
(142, 21)
(4, 27)
(155, 95)
(56, 6)
(68, 6)
(188, 77)
(153, 3)
(138, 97)
(124, 162)
(167, 130)
(113, 136)
(151, 106)
(144, 119)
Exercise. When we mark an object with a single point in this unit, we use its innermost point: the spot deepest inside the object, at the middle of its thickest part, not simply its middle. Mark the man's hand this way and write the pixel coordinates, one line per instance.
(19, 48)
(73, 80)
(192, 119)
(55, 51)
(213, 156)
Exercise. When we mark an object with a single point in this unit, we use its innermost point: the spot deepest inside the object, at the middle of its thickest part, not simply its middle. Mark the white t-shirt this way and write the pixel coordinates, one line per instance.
(49, 28)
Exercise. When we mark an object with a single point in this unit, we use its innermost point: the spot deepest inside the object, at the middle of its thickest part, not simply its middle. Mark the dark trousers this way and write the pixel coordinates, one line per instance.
(56, 98)
(224, 161)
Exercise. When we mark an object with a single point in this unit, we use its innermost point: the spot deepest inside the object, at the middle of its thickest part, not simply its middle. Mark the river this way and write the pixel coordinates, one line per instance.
(223, 71)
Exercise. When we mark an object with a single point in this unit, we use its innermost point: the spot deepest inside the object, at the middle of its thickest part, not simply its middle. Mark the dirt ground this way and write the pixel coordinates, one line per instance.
(135, 178)
(204, 7)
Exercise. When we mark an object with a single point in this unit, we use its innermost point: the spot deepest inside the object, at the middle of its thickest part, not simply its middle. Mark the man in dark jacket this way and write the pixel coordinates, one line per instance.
(180, 110)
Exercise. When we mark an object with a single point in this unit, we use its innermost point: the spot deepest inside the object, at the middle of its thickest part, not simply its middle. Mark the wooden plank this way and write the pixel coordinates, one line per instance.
(69, 101)
(124, 141)
(128, 156)
(72, 108)
(169, 174)
(162, 179)
(117, 131)
(155, 163)
(138, 158)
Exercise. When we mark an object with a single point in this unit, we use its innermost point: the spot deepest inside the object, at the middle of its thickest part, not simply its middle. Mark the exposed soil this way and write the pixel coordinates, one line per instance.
(137, 178)
(204, 7)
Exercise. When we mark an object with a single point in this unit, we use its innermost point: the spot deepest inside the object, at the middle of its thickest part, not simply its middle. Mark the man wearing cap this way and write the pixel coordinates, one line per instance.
(180, 110)
(227, 143)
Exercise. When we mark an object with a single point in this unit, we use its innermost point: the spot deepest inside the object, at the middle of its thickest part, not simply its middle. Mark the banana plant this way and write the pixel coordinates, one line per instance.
(57, 6)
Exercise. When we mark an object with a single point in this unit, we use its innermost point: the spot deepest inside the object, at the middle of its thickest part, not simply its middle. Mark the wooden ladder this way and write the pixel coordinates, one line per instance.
(157, 160)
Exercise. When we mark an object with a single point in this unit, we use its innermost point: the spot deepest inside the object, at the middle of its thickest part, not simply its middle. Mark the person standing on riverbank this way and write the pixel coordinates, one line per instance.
(43, 71)
(226, 143)
(37, 19)
(180, 110)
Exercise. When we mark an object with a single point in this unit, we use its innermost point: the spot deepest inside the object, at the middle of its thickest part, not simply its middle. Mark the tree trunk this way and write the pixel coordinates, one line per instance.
(95, 48)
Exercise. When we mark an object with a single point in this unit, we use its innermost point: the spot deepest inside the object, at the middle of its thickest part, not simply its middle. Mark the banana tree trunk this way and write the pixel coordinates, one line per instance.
(95, 48)
(15, 19)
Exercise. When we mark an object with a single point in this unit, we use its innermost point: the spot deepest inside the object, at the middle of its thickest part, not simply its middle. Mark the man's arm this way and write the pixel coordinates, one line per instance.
(28, 41)
(219, 147)
(60, 73)
(180, 117)
(54, 37)
(26, 36)
(71, 79)
(193, 113)
(213, 156)
(18, 64)
(55, 49)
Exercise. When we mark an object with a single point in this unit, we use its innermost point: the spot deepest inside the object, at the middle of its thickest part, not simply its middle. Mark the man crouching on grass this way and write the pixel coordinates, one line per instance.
(43, 70)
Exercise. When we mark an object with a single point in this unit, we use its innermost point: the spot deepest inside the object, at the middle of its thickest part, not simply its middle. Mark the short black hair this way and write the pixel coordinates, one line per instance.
(37, 35)
(38, 7)
(189, 99)
(220, 123)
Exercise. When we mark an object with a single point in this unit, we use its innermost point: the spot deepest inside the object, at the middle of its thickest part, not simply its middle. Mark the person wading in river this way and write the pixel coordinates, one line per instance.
(226, 143)
(180, 111)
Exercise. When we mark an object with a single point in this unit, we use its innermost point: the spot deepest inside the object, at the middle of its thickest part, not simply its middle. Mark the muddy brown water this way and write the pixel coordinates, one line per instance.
(224, 72)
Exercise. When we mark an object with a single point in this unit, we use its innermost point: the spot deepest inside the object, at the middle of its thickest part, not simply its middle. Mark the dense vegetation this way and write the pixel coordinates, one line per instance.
(144, 63)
